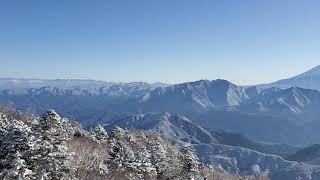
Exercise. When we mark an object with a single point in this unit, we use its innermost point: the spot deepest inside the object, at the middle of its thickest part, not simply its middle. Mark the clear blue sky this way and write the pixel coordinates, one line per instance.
(244, 41)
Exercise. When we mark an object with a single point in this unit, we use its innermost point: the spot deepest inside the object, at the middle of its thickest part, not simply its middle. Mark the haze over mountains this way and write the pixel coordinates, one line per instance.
(78, 87)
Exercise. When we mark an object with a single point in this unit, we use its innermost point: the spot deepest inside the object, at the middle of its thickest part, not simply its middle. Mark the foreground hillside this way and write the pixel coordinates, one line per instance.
(51, 147)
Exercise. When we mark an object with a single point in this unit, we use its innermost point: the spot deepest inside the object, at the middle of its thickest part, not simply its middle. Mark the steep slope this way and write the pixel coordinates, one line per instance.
(171, 125)
(308, 80)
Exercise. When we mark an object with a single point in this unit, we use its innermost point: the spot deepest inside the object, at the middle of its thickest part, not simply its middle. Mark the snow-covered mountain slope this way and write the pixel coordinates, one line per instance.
(271, 116)
(308, 80)
(198, 96)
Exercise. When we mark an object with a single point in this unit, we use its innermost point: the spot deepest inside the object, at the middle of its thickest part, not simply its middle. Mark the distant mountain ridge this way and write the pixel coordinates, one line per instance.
(22, 85)
(198, 96)
(307, 80)
(88, 101)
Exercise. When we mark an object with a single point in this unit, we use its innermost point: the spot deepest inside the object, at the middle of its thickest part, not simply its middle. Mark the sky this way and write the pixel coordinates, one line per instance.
(245, 42)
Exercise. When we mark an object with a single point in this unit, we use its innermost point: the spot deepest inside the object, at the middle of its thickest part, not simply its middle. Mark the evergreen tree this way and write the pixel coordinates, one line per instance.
(158, 157)
(53, 156)
(191, 164)
(14, 153)
(99, 133)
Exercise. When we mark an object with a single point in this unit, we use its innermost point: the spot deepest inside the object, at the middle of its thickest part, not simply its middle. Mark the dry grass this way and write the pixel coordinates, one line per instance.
(88, 155)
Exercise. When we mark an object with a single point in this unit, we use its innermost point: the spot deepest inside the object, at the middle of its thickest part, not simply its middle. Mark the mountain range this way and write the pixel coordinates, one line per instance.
(268, 114)
(243, 129)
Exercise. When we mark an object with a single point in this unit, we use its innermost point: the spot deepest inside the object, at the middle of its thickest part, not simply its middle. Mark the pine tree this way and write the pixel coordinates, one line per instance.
(117, 150)
(53, 156)
(99, 133)
(129, 153)
(191, 164)
(14, 153)
(158, 157)
(18, 168)
(3, 124)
